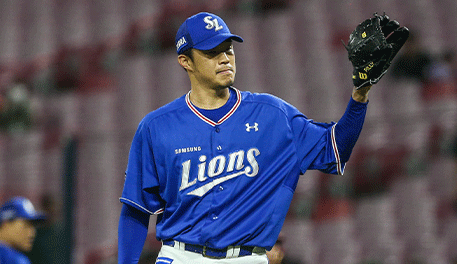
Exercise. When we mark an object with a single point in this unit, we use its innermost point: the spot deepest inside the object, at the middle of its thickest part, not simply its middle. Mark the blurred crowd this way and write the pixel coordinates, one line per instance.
(88, 68)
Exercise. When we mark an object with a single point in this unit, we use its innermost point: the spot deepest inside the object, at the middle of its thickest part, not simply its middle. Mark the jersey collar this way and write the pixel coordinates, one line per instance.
(225, 117)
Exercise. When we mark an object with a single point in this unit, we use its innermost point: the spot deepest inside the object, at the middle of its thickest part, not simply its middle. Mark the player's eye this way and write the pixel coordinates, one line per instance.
(230, 50)
(219, 50)
(213, 53)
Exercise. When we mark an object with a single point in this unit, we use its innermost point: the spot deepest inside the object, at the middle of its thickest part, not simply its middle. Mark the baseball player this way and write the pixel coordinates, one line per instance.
(18, 220)
(219, 166)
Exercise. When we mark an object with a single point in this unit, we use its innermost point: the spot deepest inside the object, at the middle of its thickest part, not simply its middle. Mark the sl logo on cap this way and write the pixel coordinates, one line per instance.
(28, 207)
(212, 23)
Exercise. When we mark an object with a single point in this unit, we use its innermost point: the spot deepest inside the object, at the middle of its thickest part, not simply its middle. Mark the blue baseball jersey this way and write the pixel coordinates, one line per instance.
(9, 255)
(228, 182)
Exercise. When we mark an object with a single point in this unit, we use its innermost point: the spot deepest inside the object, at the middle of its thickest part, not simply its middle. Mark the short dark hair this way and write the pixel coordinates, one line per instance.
(189, 54)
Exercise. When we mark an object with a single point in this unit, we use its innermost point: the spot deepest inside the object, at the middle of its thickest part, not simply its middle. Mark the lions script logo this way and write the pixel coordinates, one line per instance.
(234, 163)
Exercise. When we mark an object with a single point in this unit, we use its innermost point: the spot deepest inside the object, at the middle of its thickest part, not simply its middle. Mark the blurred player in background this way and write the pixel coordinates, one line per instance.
(18, 221)
(51, 243)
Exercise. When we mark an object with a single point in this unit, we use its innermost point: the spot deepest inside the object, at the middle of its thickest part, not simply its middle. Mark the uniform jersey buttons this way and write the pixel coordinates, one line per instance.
(218, 129)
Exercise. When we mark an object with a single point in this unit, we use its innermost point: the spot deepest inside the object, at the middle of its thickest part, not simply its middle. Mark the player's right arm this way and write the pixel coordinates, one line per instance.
(140, 196)
(132, 232)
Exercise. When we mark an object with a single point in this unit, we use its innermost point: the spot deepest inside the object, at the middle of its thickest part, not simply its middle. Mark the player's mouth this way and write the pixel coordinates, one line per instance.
(225, 71)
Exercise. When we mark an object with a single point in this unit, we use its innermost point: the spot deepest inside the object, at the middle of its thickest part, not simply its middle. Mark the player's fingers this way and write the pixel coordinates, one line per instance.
(397, 39)
(390, 27)
(383, 20)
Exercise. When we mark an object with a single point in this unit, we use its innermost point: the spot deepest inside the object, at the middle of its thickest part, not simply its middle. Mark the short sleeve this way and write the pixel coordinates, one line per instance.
(316, 146)
(141, 185)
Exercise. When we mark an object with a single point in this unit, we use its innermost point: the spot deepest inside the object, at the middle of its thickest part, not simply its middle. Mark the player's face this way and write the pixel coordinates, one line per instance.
(216, 67)
(20, 234)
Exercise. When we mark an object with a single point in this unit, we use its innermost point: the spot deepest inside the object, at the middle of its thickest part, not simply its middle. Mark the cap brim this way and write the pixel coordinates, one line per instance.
(38, 219)
(215, 41)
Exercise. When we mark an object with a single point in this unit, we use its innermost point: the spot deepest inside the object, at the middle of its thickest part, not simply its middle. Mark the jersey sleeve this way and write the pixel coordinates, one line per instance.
(316, 146)
(141, 185)
(349, 127)
(328, 146)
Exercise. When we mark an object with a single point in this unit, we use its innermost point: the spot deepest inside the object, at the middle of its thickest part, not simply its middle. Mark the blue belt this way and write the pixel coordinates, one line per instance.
(228, 252)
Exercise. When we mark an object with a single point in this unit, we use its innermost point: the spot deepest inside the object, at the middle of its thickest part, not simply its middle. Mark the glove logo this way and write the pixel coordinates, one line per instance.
(364, 34)
(369, 67)
(363, 76)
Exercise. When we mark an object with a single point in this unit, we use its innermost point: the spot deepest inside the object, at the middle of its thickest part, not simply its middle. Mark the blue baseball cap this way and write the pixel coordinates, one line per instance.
(203, 31)
(20, 207)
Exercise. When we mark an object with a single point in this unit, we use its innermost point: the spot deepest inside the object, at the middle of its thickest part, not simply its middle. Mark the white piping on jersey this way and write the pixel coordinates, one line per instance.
(225, 117)
(146, 210)
(339, 168)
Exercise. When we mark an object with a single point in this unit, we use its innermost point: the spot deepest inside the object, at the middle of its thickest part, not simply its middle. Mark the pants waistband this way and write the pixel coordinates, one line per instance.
(228, 252)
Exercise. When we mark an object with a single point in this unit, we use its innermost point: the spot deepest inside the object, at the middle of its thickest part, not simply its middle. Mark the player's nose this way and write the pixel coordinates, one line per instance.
(224, 58)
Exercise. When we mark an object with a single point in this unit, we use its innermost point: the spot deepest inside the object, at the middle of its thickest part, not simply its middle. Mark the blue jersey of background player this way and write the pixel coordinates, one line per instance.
(219, 166)
(18, 220)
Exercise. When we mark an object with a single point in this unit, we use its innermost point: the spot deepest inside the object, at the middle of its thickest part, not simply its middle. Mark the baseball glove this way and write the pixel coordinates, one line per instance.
(372, 46)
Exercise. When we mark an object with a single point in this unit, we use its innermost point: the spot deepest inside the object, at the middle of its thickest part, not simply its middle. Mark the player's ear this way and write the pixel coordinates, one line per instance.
(185, 62)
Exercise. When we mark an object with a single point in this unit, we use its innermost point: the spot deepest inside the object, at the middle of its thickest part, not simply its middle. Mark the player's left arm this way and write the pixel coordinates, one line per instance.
(349, 127)
(333, 141)
(371, 48)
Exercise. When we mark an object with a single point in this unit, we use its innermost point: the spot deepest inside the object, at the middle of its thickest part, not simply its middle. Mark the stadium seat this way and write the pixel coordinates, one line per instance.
(337, 243)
